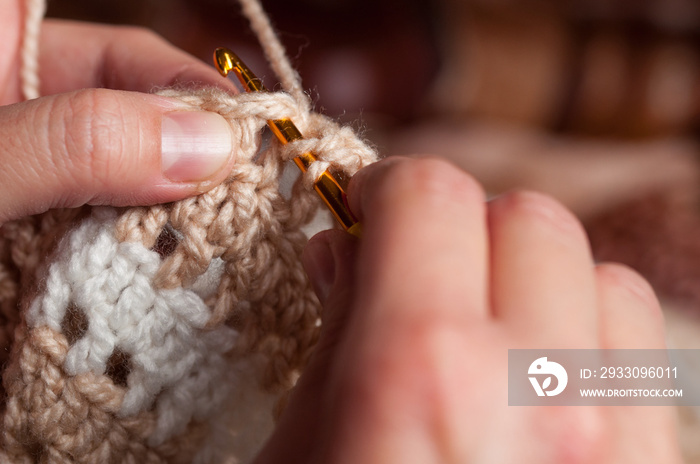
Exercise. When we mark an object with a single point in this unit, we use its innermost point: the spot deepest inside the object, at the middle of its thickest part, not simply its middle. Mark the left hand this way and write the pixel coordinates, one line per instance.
(88, 141)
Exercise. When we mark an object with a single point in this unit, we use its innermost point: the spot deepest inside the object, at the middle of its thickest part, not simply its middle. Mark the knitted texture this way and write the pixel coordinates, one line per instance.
(126, 332)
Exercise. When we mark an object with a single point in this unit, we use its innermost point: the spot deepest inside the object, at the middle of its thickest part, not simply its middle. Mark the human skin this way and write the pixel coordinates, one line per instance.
(95, 137)
(410, 366)
(412, 362)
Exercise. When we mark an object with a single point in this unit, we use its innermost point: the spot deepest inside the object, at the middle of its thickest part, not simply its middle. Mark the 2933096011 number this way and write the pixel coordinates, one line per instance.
(638, 372)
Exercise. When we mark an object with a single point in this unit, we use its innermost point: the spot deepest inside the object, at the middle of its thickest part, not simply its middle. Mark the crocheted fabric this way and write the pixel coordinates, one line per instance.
(125, 333)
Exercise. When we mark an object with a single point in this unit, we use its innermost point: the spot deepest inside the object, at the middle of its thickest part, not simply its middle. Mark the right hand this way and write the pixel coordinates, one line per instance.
(420, 313)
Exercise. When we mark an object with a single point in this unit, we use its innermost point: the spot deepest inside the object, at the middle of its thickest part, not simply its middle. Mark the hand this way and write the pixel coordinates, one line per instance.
(411, 366)
(99, 146)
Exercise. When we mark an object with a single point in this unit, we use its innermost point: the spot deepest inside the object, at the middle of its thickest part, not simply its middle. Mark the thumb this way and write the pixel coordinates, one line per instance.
(107, 147)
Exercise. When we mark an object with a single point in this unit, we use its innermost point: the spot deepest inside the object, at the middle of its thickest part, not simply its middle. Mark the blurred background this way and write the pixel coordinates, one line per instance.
(596, 102)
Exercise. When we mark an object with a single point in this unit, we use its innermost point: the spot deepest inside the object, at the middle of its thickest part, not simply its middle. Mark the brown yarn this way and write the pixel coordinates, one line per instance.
(64, 402)
(246, 223)
(23, 246)
(72, 419)
(245, 226)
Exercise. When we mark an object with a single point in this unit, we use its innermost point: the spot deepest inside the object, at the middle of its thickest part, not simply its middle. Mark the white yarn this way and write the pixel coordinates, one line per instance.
(180, 369)
(162, 330)
(241, 427)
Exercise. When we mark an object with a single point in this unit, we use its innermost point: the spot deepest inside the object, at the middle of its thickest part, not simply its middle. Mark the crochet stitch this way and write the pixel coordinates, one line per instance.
(128, 333)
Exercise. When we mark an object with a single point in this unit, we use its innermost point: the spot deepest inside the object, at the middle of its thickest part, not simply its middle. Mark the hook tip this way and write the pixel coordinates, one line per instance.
(223, 59)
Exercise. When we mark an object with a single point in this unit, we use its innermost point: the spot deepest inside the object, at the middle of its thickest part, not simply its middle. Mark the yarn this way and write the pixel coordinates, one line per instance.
(29, 58)
(130, 331)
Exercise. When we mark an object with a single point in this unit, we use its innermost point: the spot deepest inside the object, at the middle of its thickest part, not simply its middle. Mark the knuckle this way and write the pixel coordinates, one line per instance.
(535, 207)
(433, 177)
(139, 35)
(94, 129)
(616, 275)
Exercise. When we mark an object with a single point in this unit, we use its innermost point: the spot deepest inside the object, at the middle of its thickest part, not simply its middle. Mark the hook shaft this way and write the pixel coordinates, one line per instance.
(326, 186)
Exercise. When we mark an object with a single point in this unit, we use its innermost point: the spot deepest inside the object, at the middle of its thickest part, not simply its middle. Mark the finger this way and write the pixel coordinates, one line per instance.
(76, 55)
(542, 271)
(630, 315)
(421, 293)
(329, 260)
(424, 240)
(107, 147)
(631, 318)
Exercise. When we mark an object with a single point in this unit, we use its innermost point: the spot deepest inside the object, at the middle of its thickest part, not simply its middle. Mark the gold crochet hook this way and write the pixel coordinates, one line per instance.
(327, 186)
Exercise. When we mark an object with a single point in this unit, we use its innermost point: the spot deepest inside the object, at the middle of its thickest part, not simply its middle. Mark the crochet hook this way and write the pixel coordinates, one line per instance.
(326, 186)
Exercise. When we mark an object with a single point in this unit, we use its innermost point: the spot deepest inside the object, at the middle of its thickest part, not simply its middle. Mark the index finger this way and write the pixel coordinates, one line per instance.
(424, 250)
(79, 55)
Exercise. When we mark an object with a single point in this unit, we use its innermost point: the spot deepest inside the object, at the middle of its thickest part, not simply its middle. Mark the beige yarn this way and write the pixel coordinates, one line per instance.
(34, 13)
(244, 227)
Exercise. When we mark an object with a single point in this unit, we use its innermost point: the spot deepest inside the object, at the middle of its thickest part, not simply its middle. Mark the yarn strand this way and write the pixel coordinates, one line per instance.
(156, 334)
(275, 52)
(29, 56)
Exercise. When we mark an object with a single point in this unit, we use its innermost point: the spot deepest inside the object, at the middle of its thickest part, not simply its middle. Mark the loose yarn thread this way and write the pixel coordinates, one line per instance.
(29, 57)
(125, 345)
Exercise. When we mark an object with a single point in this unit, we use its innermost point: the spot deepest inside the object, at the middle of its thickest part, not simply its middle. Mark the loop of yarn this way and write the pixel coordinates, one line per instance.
(234, 107)
(142, 336)
(335, 147)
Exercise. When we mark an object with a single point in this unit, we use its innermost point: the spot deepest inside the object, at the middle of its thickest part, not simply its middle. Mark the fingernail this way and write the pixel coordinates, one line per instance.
(195, 145)
(320, 267)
